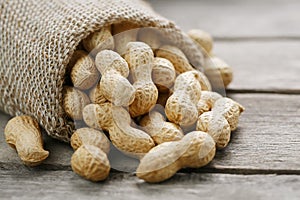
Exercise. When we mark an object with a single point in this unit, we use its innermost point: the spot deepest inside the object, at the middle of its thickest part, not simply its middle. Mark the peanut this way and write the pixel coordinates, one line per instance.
(219, 68)
(124, 33)
(181, 105)
(74, 101)
(160, 130)
(113, 85)
(116, 120)
(139, 80)
(176, 57)
(84, 73)
(195, 149)
(96, 95)
(90, 136)
(140, 58)
(207, 101)
(216, 126)
(90, 162)
(23, 134)
(99, 41)
(75, 57)
(230, 109)
(163, 74)
(203, 80)
(203, 39)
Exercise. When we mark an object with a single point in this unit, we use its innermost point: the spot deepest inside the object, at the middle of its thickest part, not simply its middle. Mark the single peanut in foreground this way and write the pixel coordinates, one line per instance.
(203, 39)
(230, 109)
(90, 162)
(195, 149)
(113, 85)
(99, 41)
(116, 120)
(89, 159)
(216, 126)
(140, 57)
(176, 57)
(23, 134)
(161, 131)
(181, 105)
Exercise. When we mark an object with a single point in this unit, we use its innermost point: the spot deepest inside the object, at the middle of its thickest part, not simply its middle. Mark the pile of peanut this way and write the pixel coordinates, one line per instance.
(117, 79)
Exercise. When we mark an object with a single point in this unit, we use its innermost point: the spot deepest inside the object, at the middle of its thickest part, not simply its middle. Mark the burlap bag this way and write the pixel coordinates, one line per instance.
(38, 38)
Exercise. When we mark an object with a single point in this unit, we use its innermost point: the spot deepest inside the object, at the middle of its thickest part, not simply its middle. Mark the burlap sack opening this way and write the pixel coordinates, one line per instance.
(38, 38)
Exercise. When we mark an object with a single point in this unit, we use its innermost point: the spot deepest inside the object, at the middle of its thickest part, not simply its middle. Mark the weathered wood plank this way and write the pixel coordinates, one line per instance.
(234, 19)
(67, 185)
(268, 138)
(263, 66)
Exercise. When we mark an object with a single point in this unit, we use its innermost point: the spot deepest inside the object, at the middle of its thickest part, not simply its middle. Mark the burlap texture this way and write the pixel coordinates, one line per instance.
(38, 37)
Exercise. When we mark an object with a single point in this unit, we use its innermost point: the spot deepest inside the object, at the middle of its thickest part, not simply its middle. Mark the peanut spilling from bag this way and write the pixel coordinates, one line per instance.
(116, 83)
(23, 134)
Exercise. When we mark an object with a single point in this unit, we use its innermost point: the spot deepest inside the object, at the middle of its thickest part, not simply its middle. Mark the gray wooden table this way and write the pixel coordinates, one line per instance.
(261, 40)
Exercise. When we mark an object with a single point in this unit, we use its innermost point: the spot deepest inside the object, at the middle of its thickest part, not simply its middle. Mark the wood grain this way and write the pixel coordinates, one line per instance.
(268, 136)
(263, 66)
(261, 41)
(267, 140)
(67, 185)
(235, 19)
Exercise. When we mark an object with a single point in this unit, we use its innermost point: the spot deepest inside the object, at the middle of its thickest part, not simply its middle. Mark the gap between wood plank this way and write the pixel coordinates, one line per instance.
(256, 38)
(262, 91)
(241, 170)
(215, 169)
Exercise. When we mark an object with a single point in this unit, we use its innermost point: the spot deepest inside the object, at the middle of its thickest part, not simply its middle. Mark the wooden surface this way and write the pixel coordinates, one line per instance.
(235, 19)
(66, 185)
(261, 40)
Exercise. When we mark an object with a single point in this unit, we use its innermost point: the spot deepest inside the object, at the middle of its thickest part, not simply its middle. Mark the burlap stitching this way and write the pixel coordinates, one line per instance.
(38, 37)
